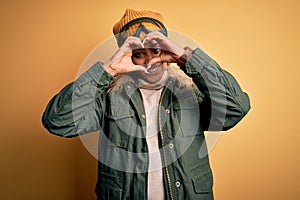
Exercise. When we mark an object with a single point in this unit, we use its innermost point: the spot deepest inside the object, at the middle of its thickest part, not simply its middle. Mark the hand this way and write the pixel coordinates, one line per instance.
(170, 52)
(121, 62)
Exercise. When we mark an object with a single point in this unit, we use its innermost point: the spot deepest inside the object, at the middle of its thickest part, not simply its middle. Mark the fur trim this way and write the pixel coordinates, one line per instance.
(173, 71)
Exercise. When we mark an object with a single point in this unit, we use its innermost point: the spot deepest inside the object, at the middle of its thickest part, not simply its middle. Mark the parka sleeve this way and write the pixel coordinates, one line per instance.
(225, 104)
(78, 108)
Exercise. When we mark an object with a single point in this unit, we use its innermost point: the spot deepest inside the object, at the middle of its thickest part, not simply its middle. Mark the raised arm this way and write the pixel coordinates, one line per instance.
(225, 104)
(78, 107)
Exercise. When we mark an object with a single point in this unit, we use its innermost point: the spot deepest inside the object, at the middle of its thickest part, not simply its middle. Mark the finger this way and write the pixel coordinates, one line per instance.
(149, 42)
(134, 43)
(130, 43)
(164, 43)
(156, 35)
(167, 56)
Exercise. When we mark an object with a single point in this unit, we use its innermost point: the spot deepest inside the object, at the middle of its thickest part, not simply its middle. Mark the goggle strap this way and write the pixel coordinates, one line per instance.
(121, 39)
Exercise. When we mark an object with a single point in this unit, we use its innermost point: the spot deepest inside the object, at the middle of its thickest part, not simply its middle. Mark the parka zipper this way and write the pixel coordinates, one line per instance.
(162, 143)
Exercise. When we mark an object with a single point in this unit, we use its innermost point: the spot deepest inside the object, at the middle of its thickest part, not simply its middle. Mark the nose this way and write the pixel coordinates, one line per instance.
(150, 57)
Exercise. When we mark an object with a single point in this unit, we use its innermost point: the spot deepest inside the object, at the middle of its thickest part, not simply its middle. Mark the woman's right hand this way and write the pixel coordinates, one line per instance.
(121, 62)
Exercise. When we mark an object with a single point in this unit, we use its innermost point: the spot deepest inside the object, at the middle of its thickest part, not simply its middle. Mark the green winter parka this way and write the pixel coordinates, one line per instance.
(215, 102)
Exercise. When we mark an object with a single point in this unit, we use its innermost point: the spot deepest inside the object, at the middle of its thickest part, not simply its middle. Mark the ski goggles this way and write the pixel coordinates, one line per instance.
(124, 32)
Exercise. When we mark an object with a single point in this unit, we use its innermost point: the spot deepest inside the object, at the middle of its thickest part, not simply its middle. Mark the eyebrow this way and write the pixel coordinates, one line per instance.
(139, 49)
(156, 45)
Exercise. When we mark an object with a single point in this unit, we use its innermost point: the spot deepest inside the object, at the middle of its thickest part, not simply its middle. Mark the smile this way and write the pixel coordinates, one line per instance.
(153, 68)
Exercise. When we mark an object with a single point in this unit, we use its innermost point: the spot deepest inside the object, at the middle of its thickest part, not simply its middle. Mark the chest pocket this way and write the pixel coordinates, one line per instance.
(188, 114)
(120, 125)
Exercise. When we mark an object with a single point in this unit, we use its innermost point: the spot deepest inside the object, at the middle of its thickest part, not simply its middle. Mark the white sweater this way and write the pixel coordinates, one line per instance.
(155, 177)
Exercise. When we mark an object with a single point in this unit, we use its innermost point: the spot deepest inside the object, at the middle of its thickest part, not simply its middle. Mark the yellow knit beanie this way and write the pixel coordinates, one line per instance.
(131, 14)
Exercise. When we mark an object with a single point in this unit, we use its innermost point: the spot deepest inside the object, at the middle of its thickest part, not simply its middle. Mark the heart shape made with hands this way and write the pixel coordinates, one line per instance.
(121, 62)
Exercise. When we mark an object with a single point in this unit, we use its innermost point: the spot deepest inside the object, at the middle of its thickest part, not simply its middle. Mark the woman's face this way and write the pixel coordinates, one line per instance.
(146, 57)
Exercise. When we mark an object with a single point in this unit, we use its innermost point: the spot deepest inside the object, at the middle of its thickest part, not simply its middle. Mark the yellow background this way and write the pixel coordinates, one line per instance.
(43, 44)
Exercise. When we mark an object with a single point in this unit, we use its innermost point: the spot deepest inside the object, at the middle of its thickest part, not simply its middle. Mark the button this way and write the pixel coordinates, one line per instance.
(171, 145)
(177, 184)
(167, 111)
(144, 116)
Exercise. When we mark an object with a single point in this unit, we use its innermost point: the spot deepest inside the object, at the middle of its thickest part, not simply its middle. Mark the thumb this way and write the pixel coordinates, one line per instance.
(166, 56)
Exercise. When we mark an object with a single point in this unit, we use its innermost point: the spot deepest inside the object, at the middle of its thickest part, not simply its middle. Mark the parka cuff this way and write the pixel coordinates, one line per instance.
(197, 62)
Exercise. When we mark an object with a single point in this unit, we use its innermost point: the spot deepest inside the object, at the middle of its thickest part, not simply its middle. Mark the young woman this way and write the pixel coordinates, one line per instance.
(151, 113)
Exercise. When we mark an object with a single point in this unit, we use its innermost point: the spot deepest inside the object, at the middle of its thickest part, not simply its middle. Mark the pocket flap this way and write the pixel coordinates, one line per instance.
(119, 112)
(203, 183)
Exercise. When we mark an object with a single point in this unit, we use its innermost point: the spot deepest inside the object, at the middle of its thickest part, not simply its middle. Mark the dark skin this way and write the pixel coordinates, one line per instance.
(154, 71)
(148, 57)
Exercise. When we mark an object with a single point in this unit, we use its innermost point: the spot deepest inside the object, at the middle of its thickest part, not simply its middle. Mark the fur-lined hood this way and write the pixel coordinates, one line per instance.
(173, 72)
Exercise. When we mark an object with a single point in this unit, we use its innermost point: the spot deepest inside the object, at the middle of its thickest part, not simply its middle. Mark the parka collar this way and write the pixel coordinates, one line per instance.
(127, 83)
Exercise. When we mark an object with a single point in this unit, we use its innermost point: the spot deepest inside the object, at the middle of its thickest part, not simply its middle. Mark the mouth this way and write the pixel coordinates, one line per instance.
(153, 68)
